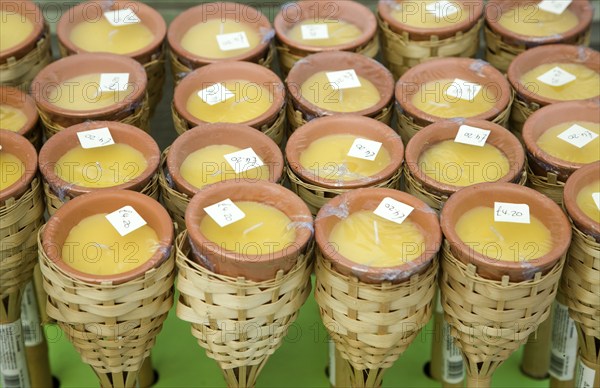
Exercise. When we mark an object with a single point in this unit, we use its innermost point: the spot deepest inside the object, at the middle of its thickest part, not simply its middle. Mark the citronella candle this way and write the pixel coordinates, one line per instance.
(430, 14)
(20, 28)
(554, 143)
(323, 32)
(563, 81)
(12, 118)
(442, 98)
(588, 200)
(528, 20)
(101, 36)
(204, 39)
(18, 165)
(18, 113)
(12, 169)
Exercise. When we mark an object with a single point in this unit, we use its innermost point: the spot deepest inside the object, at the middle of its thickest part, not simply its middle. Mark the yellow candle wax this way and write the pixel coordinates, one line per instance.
(208, 165)
(433, 99)
(552, 145)
(248, 101)
(462, 165)
(83, 93)
(12, 118)
(11, 169)
(368, 239)
(101, 167)
(506, 241)
(263, 230)
(101, 36)
(586, 202)
(15, 29)
(318, 91)
(529, 20)
(338, 32)
(429, 13)
(201, 39)
(95, 247)
(327, 157)
(585, 86)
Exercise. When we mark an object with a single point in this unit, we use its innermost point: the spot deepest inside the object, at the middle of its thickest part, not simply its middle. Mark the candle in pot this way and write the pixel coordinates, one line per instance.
(586, 202)
(572, 81)
(550, 143)
(201, 39)
(98, 35)
(323, 32)
(20, 28)
(12, 118)
(11, 169)
(529, 20)
(429, 14)
(434, 99)
(318, 90)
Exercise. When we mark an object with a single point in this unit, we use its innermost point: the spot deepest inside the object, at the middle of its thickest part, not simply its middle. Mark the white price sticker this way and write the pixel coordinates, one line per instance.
(564, 344)
(125, 220)
(364, 149)
(556, 77)
(511, 212)
(343, 79)
(596, 197)
(453, 364)
(215, 94)
(472, 135)
(225, 212)
(585, 376)
(464, 90)
(442, 8)
(233, 41)
(95, 138)
(13, 365)
(114, 82)
(243, 160)
(578, 136)
(122, 17)
(30, 317)
(393, 210)
(555, 6)
(314, 31)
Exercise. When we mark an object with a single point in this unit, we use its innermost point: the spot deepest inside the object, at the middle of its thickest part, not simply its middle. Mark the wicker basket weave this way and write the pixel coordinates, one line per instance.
(174, 201)
(239, 323)
(520, 112)
(549, 185)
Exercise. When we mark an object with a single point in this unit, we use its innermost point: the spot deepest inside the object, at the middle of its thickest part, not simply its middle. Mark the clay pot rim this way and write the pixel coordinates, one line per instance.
(175, 30)
(10, 140)
(320, 62)
(577, 181)
(238, 70)
(368, 28)
(135, 69)
(384, 10)
(227, 130)
(447, 65)
(36, 17)
(23, 102)
(127, 196)
(421, 142)
(367, 274)
(149, 16)
(355, 125)
(134, 137)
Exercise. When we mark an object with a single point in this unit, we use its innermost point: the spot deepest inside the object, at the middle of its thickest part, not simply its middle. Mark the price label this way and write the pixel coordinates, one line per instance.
(393, 210)
(564, 344)
(314, 31)
(596, 197)
(215, 94)
(243, 160)
(578, 136)
(364, 149)
(556, 77)
(343, 79)
(511, 212)
(464, 90)
(441, 9)
(585, 376)
(555, 6)
(125, 220)
(122, 17)
(453, 364)
(13, 364)
(30, 317)
(472, 135)
(233, 41)
(95, 138)
(225, 212)
(114, 82)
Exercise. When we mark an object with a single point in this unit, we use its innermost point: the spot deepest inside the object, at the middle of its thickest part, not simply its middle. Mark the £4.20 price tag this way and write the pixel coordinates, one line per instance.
(95, 138)
(393, 210)
(314, 31)
(464, 90)
(114, 82)
(215, 94)
(556, 77)
(243, 160)
(554, 6)
(442, 8)
(343, 79)
(364, 149)
(578, 136)
(122, 17)
(225, 212)
(125, 220)
(471, 135)
(233, 41)
(511, 212)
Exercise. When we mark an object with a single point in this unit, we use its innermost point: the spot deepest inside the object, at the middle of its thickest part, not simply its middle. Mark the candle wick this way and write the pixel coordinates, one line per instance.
(341, 95)
(250, 229)
(222, 25)
(500, 237)
(216, 173)
(376, 231)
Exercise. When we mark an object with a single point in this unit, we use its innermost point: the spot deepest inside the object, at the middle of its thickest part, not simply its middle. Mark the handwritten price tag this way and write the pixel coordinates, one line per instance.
(125, 220)
(511, 212)
(464, 90)
(441, 9)
(225, 212)
(215, 94)
(555, 6)
(233, 41)
(114, 82)
(578, 136)
(95, 138)
(314, 31)
(393, 210)
(243, 160)
(364, 149)
(472, 135)
(343, 79)
(596, 197)
(556, 77)
(122, 17)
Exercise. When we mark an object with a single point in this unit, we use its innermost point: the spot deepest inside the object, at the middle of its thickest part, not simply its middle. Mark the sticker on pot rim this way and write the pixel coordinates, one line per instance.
(511, 212)
(364, 149)
(122, 17)
(215, 94)
(225, 212)
(471, 135)
(393, 210)
(441, 9)
(95, 138)
(114, 82)
(243, 160)
(464, 90)
(585, 376)
(125, 220)
(578, 136)
(314, 31)
(13, 364)
(343, 79)
(554, 6)
(564, 344)
(556, 77)
(233, 41)
(596, 197)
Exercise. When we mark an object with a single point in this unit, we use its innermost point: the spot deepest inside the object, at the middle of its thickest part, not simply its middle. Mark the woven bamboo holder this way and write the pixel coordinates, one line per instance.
(239, 323)
(113, 327)
(490, 319)
(400, 53)
(520, 112)
(372, 324)
(174, 201)
(549, 185)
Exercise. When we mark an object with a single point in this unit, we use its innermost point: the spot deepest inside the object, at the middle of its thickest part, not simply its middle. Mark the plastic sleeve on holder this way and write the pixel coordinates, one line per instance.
(13, 364)
(32, 327)
(266, 34)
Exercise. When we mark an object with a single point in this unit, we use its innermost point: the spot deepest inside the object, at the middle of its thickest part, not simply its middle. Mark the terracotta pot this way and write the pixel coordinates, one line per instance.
(94, 9)
(540, 162)
(71, 213)
(577, 181)
(537, 56)
(338, 125)
(241, 13)
(238, 135)
(499, 137)
(334, 61)
(208, 75)
(485, 194)
(474, 7)
(368, 199)
(31, 11)
(17, 145)
(493, 84)
(252, 267)
(81, 64)
(121, 133)
(22, 101)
